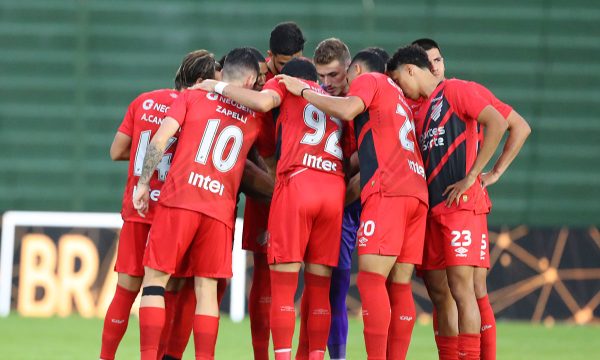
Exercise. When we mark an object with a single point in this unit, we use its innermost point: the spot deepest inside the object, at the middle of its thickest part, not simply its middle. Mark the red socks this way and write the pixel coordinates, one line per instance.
(183, 321)
(402, 320)
(206, 329)
(115, 322)
(468, 346)
(152, 320)
(376, 313)
(170, 303)
(283, 314)
(302, 352)
(319, 313)
(488, 329)
(447, 347)
(259, 307)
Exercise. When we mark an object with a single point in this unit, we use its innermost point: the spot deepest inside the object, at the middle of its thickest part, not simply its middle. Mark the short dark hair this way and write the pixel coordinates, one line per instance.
(286, 39)
(199, 64)
(383, 54)
(301, 68)
(238, 62)
(371, 60)
(427, 44)
(412, 54)
(257, 54)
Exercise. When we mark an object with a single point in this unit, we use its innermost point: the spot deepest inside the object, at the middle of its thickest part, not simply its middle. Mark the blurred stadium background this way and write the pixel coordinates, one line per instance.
(68, 70)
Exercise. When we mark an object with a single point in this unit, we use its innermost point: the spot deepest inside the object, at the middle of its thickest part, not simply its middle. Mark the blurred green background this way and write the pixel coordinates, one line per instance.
(68, 70)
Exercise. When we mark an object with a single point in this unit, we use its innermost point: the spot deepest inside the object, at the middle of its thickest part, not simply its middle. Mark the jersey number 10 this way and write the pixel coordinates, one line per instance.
(229, 133)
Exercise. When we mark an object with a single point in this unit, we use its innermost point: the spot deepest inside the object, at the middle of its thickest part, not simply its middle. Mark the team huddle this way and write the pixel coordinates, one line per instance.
(335, 152)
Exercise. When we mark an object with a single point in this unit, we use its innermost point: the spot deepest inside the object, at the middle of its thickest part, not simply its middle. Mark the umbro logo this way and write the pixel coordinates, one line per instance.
(486, 327)
(117, 321)
(362, 242)
(461, 252)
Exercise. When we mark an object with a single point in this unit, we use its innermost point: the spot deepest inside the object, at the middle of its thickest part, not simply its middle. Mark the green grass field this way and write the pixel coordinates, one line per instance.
(77, 338)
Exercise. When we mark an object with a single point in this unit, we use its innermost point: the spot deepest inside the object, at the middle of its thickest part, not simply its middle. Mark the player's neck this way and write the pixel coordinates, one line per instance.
(234, 82)
(271, 67)
(430, 82)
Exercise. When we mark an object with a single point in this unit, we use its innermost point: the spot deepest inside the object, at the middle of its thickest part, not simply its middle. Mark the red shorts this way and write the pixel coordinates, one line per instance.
(179, 235)
(459, 238)
(393, 226)
(254, 236)
(130, 251)
(305, 221)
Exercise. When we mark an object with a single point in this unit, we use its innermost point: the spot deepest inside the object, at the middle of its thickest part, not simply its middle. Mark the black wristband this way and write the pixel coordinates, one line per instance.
(302, 92)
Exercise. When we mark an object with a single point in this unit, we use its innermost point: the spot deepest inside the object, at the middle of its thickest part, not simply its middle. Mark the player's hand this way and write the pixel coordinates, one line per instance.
(489, 178)
(456, 190)
(293, 85)
(141, 197)
(206, 85)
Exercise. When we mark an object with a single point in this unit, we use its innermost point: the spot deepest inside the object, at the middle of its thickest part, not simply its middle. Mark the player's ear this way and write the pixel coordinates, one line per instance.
(198, 81)
(270, 54)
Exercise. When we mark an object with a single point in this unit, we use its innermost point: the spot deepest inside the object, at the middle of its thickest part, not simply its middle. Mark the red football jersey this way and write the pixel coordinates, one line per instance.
(390, 162)
(448, 136)
(306, 136)
(216, 135)
(142, 120)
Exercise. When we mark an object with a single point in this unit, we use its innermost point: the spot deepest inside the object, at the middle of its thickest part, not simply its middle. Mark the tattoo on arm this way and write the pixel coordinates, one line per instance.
(151, 160)
(276, 100)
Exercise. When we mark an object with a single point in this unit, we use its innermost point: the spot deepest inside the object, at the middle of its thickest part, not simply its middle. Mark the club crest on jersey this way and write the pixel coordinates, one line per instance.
(436, 111)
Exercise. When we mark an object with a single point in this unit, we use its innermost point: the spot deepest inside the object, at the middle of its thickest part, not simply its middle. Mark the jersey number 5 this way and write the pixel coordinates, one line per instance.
(317, 120)
(229, 133)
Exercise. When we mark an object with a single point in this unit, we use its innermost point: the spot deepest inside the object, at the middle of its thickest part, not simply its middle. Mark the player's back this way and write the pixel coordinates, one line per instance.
(390, 162)
(143, 118)
(216, 135)
(306, 136)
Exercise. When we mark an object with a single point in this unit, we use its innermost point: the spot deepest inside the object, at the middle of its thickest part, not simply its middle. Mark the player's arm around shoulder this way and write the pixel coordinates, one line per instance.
(345, 108)
(262, 101)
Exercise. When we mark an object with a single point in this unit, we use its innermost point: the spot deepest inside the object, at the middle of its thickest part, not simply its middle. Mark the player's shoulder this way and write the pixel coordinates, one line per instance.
(315, 87)
(159, 96)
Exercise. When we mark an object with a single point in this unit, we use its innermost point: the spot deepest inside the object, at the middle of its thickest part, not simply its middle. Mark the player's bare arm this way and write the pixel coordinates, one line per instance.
(518, 131)
(345, 108)
(495, 126)
(262, 101)
(154, 154)
(352, 190)
(257, 182)
(120, 147)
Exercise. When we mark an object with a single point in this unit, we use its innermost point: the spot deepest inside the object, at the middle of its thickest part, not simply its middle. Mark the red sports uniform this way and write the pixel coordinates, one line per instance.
(448, 137)
(306, 211)
(393, 187)
(143, 118)
(197, 205)
(256, 213)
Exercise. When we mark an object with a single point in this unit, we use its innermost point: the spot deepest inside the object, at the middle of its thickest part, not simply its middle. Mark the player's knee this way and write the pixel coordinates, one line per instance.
(131, 283)
(480, 289)
(440, 294)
